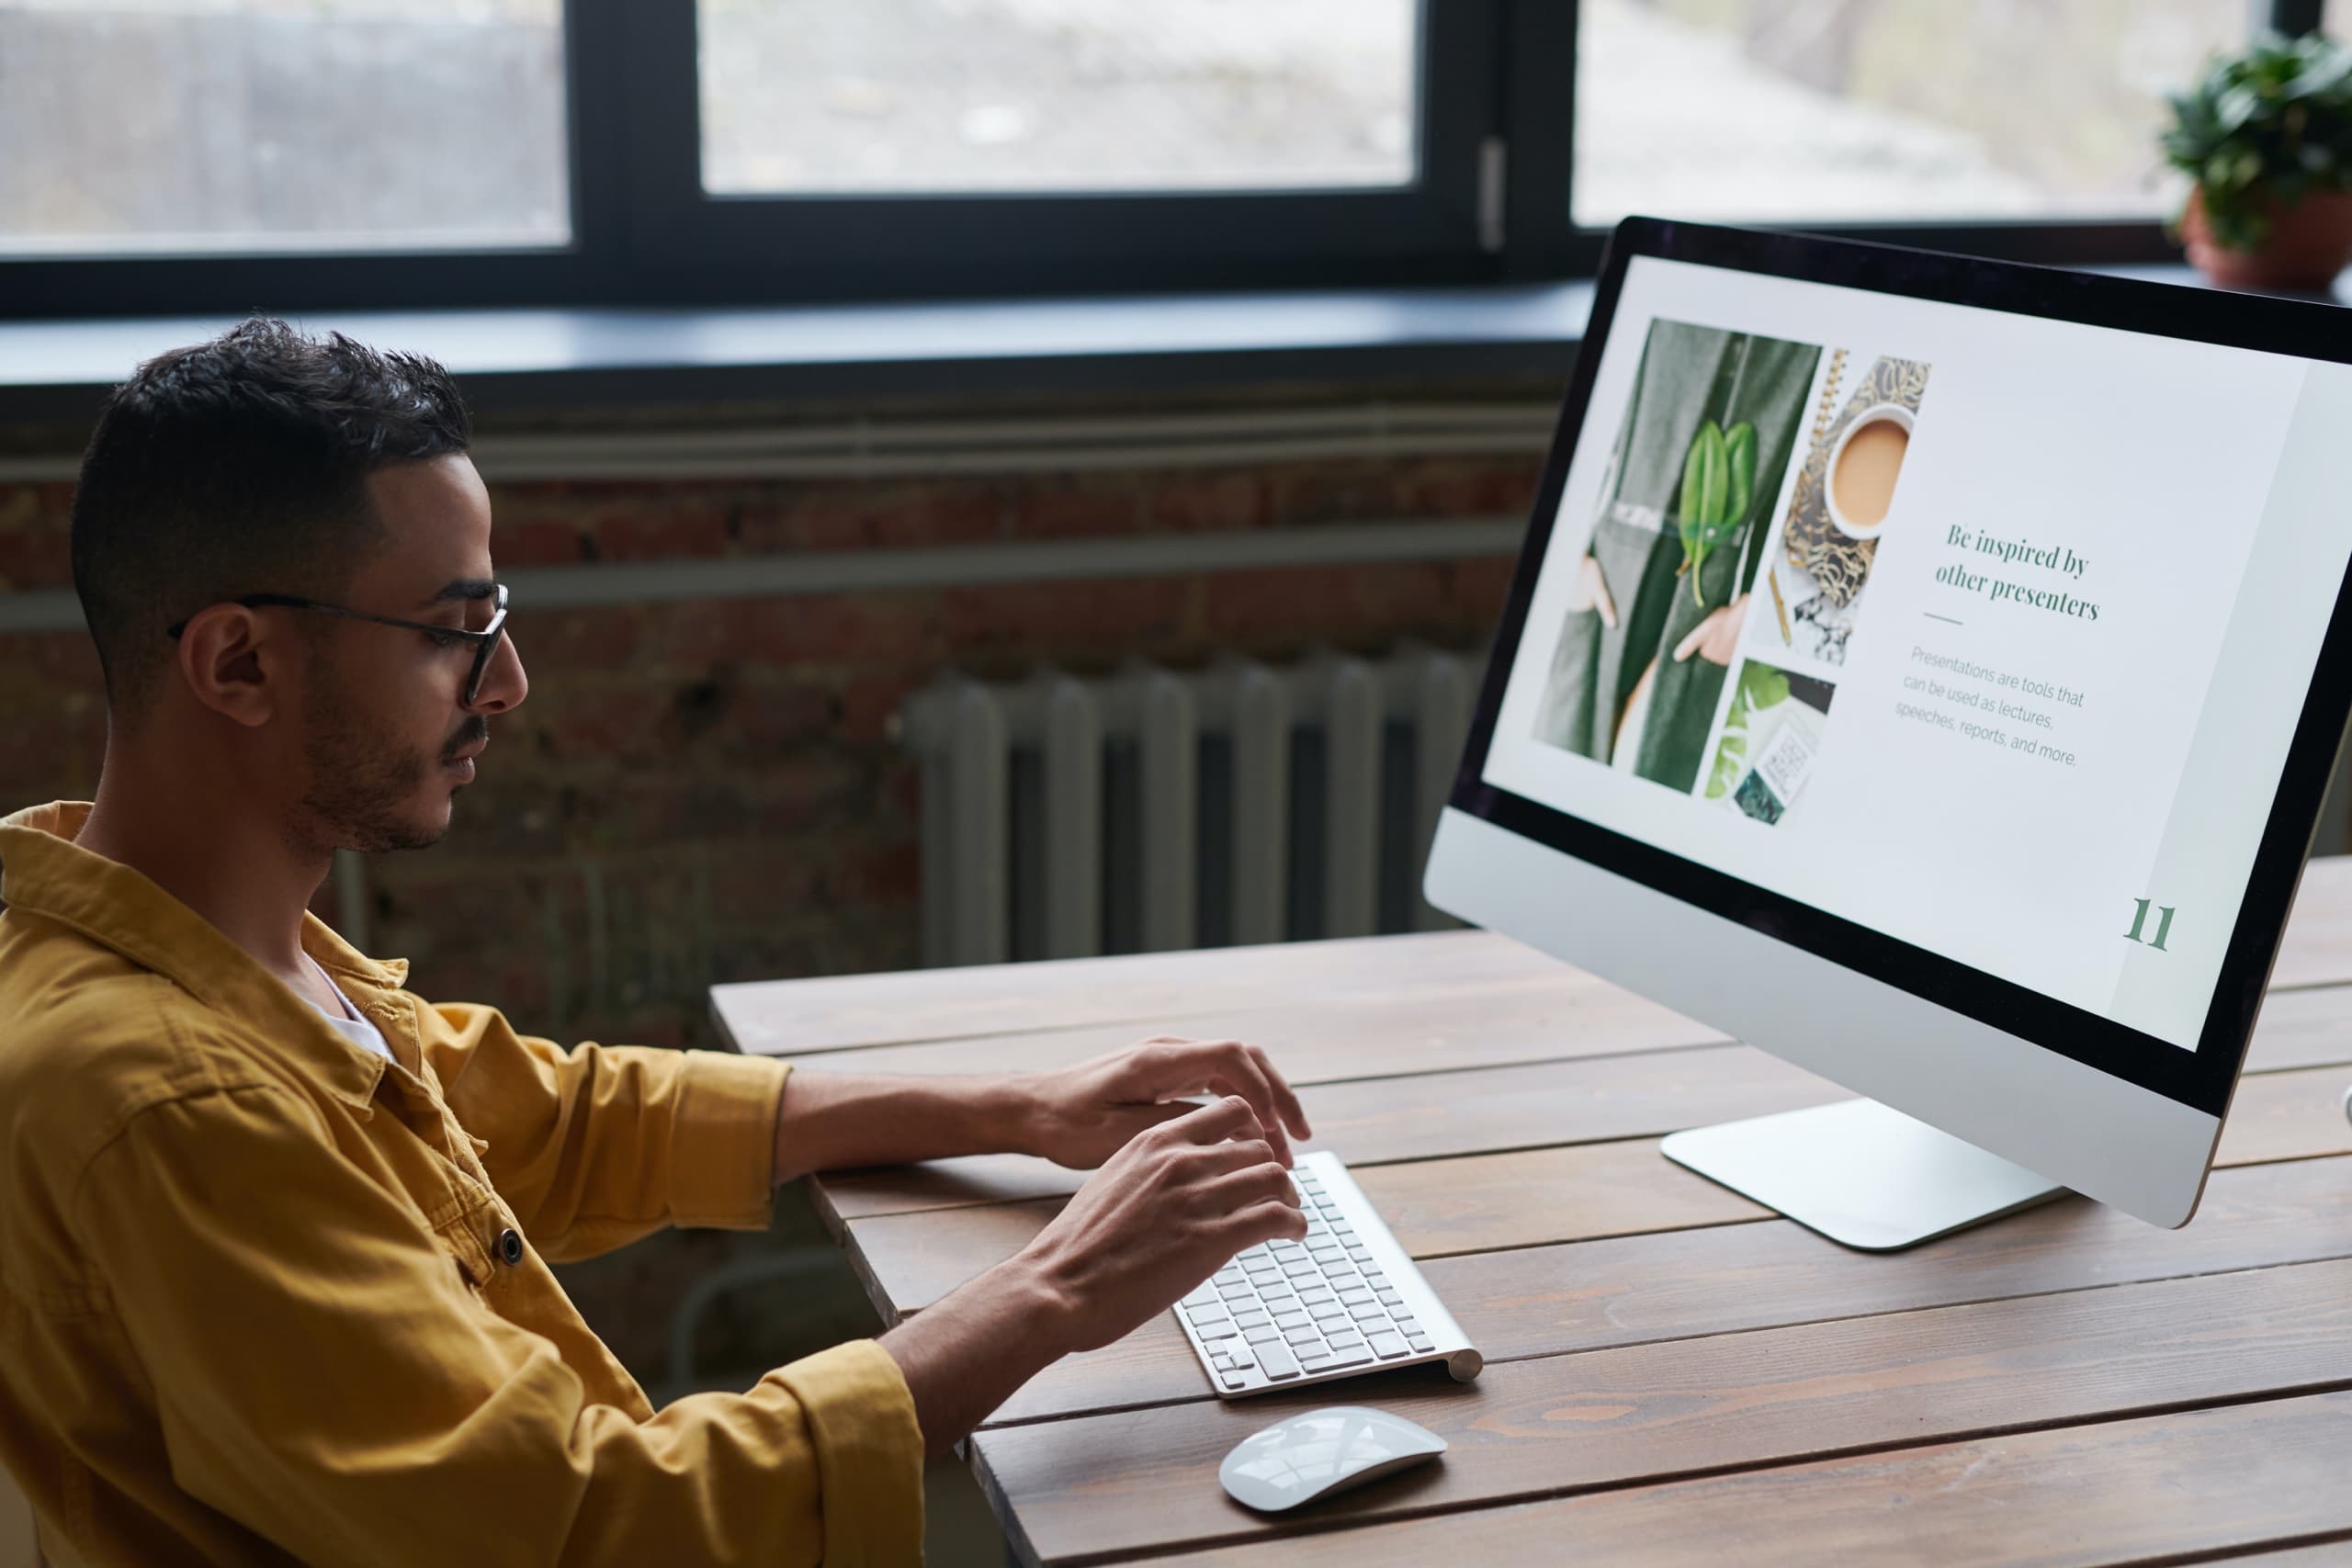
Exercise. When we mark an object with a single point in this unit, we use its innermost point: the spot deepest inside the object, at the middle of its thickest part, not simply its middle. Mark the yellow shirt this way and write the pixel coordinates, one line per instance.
(265, 1297)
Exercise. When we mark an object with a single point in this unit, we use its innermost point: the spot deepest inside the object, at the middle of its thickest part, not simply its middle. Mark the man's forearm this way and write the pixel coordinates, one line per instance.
(968, 1353)
(841, 1121)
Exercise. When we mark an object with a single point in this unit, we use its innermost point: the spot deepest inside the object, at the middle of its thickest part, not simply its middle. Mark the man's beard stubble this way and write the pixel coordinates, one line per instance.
(362, 785)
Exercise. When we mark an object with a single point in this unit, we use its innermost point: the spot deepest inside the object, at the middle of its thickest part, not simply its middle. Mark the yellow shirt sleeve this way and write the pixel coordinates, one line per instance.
(599, 1145)
(326, 1375)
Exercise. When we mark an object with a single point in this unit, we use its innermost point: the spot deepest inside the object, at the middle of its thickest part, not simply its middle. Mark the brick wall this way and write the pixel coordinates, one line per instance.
(702, 791)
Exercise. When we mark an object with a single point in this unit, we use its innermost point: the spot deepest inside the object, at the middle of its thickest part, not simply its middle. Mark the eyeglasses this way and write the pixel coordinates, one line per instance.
(485, 641)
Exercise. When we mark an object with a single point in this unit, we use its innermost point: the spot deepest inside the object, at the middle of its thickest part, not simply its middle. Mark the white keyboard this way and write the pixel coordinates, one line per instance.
(1345, 1301)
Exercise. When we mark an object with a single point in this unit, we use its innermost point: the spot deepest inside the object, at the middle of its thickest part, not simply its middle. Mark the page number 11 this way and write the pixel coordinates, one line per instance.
(2139, 921)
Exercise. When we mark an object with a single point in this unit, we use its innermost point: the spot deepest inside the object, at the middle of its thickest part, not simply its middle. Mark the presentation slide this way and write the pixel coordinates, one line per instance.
(1984, 631)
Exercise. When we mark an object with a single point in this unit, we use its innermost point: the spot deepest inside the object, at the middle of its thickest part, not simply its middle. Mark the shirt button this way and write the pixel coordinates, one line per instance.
(510, 1245)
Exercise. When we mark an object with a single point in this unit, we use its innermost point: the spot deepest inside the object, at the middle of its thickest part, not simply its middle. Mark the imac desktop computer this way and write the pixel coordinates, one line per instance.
(1928, 670)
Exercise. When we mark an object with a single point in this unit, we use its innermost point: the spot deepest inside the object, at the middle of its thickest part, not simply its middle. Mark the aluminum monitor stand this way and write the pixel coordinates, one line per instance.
(1860, 1173)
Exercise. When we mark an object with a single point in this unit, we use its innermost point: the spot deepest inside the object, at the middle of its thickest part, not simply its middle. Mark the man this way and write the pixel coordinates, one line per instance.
(273, 1277)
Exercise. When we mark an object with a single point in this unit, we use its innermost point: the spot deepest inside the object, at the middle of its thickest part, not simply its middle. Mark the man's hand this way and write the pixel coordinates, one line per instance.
(1083, 1115)
(1168, 1209)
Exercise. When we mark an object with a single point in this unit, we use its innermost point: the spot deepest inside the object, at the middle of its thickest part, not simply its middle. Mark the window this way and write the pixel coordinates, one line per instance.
(181, 155)
(237, 126)
(914, 96)
(1882, 112)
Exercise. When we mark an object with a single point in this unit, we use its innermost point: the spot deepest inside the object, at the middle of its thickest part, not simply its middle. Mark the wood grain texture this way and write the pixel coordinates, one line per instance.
(792, 1018)
(925, 1228)
(1145, 992)
(1563, 1014)
(2165, 1488)
(2282, 1121)
(2297, 1116)
(1430, 1116)
(1090, 1488)
(1730, 1280)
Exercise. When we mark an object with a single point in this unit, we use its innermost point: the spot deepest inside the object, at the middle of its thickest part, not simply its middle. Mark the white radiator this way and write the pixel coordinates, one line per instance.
(1065, 817)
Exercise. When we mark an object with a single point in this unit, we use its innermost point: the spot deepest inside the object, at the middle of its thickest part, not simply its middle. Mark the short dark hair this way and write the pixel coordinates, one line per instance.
(240, 466)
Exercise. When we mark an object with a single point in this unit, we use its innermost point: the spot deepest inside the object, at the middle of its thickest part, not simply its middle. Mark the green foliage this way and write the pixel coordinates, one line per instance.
(1760, 687)
(1718, 483)
(2274, 123)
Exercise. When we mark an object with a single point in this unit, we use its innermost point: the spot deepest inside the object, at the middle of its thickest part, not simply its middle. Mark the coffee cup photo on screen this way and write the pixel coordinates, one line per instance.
(1842, 501)
(1654, 621)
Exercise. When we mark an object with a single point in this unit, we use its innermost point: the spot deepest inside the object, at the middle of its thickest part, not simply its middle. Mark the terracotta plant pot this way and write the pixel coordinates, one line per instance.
(2308, 244)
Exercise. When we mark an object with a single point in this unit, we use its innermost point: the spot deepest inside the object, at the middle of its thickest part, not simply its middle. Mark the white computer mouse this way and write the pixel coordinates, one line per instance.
(1322, 1452)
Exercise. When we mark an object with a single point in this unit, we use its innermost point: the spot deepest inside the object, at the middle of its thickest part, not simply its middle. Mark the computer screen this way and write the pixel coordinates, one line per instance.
(1964, 645)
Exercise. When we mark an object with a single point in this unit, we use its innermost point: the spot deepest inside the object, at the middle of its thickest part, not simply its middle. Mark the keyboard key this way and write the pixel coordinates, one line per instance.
(1355, 1297)
(1277, 1363)
(1239, 1287)
(1354, 1355)
(1266, 1335)
(1421, 1343)
(1234, 1378)
(1331, 1313)
(1319, 1295)
(1388, 1346)
(1306, 1334)
(1406, 1324)
(1211, 1331)
(1316, 1357)
(1258, 1319)
(1289, 1320)
(1240, 1355)
(1202, 1295)
(1391, 1299)
(1370, 1311)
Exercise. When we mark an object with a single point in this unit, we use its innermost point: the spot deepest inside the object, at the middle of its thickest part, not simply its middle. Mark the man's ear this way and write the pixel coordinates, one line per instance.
(230, 662)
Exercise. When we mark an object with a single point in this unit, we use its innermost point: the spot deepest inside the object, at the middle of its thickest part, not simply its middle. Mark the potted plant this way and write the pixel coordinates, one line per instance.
(2266, 137)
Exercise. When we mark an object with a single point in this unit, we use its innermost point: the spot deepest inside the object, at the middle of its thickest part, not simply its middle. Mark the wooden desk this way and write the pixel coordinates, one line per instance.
(1672, 1374)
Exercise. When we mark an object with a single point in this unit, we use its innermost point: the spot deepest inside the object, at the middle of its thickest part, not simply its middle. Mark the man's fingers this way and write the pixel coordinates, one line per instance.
(1229, 1067)
(1228, 1117)
(1239, 1154)
(1271, 1220)
(1294, 1113)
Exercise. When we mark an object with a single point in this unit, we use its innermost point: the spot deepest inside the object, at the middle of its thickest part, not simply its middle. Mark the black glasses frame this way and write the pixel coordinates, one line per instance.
(485, 641)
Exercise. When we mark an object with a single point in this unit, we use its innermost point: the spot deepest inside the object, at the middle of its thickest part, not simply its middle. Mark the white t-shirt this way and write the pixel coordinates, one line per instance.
(353, 1027)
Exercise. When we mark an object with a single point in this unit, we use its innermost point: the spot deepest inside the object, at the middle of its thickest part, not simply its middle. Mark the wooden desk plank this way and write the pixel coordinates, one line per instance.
(1150, 991)
(2171, 1488)
(1437, 1207)
(2301, 1029)
(792, 1018)
(2297, 1116)
(1636, 1290)
(1426, 1117)
(2286, 1115)
(1094, 1487)
(1560, 1016)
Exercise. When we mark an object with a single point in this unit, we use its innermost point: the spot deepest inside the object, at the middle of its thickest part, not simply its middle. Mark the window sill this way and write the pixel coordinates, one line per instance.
(52, 372)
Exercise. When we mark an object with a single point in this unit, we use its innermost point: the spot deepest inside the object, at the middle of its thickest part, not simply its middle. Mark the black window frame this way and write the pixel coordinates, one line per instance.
(1491, 205)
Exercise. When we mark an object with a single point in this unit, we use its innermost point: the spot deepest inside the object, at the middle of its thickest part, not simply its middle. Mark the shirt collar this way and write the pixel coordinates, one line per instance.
(44, 873)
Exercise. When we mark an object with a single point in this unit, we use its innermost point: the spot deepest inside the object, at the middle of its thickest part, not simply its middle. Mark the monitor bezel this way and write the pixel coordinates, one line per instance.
(2202, 1079)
